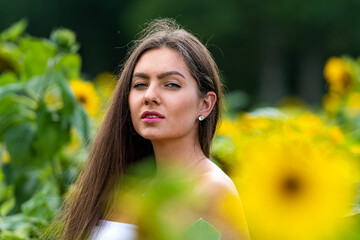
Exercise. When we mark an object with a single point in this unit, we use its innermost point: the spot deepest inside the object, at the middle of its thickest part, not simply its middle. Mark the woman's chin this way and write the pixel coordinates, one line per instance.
(152, 136)
(157, 137)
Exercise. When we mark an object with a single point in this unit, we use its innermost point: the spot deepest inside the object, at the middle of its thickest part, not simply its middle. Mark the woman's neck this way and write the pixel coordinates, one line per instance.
(184, 152)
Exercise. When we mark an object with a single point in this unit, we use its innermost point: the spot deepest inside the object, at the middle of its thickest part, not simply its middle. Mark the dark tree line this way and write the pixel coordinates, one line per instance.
(270, 49)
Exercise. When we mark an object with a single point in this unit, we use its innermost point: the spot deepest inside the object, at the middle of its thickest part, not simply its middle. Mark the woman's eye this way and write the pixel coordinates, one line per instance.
(173, 85)
(139, 85)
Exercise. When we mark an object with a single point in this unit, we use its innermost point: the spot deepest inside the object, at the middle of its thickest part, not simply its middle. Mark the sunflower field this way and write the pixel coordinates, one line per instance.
(296, 169)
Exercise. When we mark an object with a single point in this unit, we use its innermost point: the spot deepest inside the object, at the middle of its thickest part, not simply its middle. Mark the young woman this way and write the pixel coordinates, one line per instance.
(166, 104)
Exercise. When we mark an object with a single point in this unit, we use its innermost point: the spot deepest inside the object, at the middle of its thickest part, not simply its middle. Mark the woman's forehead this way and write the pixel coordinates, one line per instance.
(161, 60)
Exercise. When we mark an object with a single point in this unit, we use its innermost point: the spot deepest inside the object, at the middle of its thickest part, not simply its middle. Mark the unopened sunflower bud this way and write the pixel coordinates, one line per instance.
(65, 39)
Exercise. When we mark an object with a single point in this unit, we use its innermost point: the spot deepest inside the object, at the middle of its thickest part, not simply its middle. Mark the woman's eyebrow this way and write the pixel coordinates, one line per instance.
(161, 75)
(141, 75)
(165, 74)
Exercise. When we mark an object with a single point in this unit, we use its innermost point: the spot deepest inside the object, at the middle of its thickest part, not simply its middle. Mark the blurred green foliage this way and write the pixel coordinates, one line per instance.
(35, 167)
(165, 203)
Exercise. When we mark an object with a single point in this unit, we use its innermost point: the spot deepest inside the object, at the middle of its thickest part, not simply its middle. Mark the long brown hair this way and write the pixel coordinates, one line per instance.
(117, 146)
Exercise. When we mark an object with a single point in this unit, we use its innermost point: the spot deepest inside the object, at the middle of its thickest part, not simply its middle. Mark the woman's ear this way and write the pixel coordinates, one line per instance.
(207, 103)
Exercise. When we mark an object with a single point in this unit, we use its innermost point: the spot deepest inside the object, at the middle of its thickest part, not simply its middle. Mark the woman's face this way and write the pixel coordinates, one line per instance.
(164, 100)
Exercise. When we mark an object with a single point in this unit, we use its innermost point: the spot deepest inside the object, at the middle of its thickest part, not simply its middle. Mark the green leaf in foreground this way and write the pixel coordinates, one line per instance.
(202, 230)
(14, 31)
(7, 206)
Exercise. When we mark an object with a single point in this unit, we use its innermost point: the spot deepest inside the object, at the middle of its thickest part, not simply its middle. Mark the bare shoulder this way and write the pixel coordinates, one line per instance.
(221, 203)
(214, 181)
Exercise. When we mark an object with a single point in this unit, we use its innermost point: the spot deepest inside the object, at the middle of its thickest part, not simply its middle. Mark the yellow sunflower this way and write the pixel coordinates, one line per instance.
(355, 148)
(53, 98)
(5, 156)
(338, 74)
(249, 123)
(352, 105)
(86, 94)
(226, 127)
(106, 84)
(293, 187)
(305, 124)
(74, 144)
(335, 134)
(332, 102)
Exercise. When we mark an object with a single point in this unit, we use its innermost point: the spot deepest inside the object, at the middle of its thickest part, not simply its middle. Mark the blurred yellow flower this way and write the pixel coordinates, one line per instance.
(5, 157)
(332, 102)
(307, 125)
(75, 142)
(86, 94)
(293, 187)
(336, 134)
(235, 216)
(226, 127)
(338, 74)
(53, 99)
(250, 123)
(352, 105)
(106, 84)
(355, 149)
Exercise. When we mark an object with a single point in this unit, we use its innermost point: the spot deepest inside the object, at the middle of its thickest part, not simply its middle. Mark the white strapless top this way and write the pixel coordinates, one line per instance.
(108, 230)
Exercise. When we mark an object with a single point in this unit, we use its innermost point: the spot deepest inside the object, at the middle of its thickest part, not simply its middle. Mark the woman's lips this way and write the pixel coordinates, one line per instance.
(151, 117)
(152, 120)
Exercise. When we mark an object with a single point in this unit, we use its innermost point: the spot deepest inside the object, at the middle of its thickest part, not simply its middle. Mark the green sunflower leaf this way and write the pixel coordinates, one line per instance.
(7, 206)
(70, 65)
(202, 230)
(14, 31)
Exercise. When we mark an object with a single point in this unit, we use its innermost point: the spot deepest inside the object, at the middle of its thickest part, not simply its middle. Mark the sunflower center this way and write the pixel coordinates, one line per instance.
(291, 186)
(82, 99)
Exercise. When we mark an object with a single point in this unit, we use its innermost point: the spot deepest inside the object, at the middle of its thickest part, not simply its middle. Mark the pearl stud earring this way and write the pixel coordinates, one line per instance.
(201, 117)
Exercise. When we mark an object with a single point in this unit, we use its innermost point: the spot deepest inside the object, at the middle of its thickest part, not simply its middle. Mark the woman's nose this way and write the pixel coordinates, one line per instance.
(151, 95)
